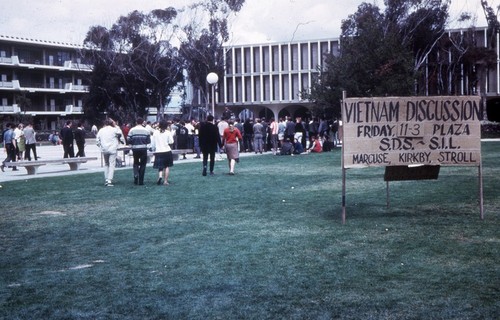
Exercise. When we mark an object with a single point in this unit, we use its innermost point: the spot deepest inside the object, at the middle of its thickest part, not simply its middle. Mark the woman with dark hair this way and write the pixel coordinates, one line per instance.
(162, 139)
(231, 139)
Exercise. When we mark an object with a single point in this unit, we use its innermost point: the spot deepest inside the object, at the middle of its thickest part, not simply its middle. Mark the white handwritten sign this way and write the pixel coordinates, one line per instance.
(393, 131)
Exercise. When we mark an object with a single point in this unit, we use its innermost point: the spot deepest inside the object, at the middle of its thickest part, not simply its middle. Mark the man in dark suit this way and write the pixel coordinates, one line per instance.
(209, 140)
(67, 138)
(79, 135)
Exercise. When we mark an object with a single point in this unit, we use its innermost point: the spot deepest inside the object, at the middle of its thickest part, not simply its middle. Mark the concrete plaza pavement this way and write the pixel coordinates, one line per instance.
(48, 152)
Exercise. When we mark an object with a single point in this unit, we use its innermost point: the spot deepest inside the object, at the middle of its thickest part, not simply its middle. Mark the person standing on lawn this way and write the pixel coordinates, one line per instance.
(274, 127)
(230, 141)
(238, 125)
(209, 141)
(182, 134)
(67, 138)
(196, 138)
(108, 139)
(281, 131)
(190, 127)
(160, 144)
(139, 139)
(258, 136)
(290, 129)
(248, 135)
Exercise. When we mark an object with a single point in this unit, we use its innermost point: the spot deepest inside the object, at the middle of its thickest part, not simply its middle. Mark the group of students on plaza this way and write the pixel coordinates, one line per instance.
(287, 136)
(20, 141)
(208, 138)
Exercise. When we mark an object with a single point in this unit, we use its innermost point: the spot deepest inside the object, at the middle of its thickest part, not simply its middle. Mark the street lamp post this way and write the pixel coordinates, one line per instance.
(212, 79)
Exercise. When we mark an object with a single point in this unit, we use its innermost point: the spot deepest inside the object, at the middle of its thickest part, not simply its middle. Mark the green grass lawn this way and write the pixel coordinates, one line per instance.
(267, 243)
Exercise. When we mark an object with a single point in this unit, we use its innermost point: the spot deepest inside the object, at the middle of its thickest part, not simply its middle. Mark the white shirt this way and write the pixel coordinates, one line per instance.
(222, 125)
(161, 141)
(18, 133)
(190, 128)
(109, 138)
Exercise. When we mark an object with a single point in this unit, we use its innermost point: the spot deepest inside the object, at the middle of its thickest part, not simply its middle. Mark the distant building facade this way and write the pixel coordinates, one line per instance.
(268, 79)
(47, 80)
(43, 79)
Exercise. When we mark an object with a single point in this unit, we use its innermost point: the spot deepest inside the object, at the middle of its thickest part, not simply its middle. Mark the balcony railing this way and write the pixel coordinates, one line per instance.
(10, 109)
(34, 85)
(6, 84)
(6, 60)
(39, 63)
(68, 109)
(73, 109)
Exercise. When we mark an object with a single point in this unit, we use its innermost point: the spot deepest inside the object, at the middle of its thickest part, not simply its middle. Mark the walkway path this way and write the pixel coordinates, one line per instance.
(47, 152)
(56, 152)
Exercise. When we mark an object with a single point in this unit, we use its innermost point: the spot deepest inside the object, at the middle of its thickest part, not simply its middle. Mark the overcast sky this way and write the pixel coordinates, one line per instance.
(260, 21)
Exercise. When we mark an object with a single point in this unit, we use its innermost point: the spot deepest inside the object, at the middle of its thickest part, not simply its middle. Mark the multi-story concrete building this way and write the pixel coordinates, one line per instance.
(47, 79)
(43, 79)
(268, 79)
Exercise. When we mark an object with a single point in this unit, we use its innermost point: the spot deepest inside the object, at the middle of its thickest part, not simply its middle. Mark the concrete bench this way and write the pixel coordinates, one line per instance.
(177, 152)
(32, 166)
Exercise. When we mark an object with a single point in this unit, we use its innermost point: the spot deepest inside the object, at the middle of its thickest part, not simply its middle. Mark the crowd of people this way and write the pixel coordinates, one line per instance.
(287, 136)
(206, 139)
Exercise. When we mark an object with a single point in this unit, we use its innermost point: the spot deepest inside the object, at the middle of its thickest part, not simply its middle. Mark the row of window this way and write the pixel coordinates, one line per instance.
(278, 57)
(266, 88)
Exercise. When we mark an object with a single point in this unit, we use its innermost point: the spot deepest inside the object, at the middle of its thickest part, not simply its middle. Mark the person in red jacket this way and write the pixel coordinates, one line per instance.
(230, 141)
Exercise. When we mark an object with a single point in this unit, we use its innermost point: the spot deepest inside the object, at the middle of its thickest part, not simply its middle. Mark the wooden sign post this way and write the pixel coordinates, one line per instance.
(401, 133)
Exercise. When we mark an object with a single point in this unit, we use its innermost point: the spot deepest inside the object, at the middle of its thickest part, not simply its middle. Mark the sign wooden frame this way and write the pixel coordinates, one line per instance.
(402, 133)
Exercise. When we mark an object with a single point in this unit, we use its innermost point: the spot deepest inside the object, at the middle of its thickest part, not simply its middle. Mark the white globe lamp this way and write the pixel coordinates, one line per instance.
(212, 79)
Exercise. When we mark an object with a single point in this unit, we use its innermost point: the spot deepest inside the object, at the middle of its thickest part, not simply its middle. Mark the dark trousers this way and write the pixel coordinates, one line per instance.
(196, 147)
(205, 160)
(81, 150)
(248, 142)
(140, 160)
(11, 154)
(68, 151)
(27, 153)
